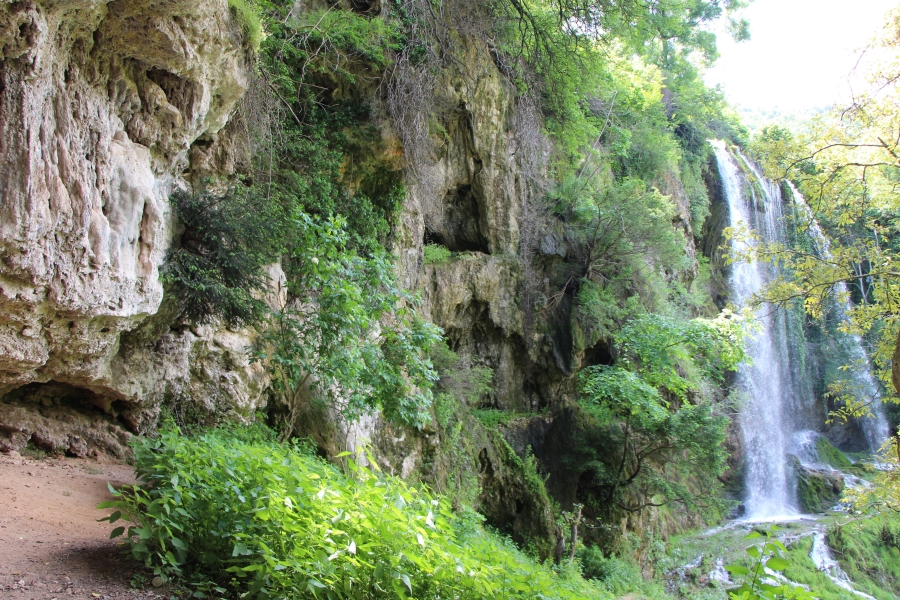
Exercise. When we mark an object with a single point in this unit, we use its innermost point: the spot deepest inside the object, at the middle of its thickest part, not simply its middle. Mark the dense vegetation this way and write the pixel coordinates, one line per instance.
(612, 122)
(234, 512)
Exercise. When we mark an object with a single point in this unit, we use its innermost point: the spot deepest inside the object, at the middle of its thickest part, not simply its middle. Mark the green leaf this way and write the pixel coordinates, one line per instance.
(777, 564)
(737, 569)
(179, 544)
(116, 532)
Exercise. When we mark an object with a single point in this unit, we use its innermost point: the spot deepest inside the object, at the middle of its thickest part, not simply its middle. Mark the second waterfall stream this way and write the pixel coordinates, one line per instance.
(779, 414)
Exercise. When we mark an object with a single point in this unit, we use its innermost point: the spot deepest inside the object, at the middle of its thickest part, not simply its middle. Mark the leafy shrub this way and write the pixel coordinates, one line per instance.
(347, 36)
(469, 384)
(233, 511)
(346, 335)
(218, 268)
(435, 254)
(671, 442)
(617, 575)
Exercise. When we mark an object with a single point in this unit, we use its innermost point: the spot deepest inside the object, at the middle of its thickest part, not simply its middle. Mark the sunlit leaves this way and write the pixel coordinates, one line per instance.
(666, 427)
(266, 521)
(345, 334)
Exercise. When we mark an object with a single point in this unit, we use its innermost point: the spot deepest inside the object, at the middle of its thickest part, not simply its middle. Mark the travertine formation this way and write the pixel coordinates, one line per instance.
(104, 107)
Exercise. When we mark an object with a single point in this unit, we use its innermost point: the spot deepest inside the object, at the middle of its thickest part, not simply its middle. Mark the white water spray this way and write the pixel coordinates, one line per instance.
(821, 556)
(779, 404)
(765, 419)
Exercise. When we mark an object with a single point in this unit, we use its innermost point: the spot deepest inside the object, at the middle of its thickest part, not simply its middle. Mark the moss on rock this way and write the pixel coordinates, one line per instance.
(830, 455)
(817, 491)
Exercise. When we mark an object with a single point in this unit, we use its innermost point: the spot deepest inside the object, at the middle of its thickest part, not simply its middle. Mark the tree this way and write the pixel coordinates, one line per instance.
(344, 335)
(847, 166)
(218, 268)
(666, 428)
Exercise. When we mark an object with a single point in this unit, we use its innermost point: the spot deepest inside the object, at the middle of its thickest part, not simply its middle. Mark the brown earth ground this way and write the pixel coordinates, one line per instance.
(51, 545)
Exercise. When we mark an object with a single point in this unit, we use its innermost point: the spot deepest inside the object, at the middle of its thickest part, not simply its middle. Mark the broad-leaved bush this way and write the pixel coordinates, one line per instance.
(234, 512)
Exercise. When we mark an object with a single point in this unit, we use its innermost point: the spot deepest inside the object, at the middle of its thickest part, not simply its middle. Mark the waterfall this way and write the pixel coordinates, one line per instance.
(863, 384)
(778, 400)
(765, 418)
(821, 557)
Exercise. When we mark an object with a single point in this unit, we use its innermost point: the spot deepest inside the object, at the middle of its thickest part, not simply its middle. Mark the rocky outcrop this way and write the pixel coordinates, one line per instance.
(818, 489)
(104, 107)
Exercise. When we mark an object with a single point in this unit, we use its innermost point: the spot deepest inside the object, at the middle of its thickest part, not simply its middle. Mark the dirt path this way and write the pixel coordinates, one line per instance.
(51, 545)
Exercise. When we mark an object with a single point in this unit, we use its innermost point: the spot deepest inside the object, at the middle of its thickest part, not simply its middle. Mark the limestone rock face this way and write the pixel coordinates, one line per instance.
(469, 197)
(103, 108)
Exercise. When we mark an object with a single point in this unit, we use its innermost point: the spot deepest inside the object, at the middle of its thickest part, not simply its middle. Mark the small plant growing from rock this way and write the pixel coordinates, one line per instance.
(435, 254)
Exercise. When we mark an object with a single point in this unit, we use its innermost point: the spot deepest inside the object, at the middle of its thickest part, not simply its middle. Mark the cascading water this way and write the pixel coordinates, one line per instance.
(765, 418)
(863, 384)
(778, 393)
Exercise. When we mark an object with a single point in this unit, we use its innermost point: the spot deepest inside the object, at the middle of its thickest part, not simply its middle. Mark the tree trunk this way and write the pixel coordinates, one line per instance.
(576, 521)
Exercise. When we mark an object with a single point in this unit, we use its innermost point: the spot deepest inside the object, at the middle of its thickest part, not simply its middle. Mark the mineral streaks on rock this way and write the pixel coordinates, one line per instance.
(100, 103)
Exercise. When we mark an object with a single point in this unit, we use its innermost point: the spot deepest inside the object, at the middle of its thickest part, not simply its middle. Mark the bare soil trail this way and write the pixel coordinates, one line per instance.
(51, 545)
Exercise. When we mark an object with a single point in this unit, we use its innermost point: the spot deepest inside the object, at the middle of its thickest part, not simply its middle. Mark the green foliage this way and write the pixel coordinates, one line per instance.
(769, 554)
(218, 268)
(673, 355)
(435, 254)
(250, 21)
(494, 417)
(617, 575)
(622, 244)
(347, 37)
(468, 384)
(345, 333)
(869, 552)
(695, 187)
(325, 154)
(233, 512)
(668, 430)
(460, 386)
(631, 396)
(830, 455)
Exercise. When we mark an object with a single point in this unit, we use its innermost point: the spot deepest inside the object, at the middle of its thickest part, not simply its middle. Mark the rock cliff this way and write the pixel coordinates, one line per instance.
(104, 107)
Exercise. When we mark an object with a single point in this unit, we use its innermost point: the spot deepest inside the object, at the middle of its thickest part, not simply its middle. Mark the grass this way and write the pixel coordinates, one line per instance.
(802, 570)
(830, 455)
(435, 254)
(33, 452)
(250, 21)
(869, 551)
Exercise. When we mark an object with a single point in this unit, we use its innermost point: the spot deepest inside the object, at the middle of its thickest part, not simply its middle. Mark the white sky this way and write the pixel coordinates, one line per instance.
(799, 54)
